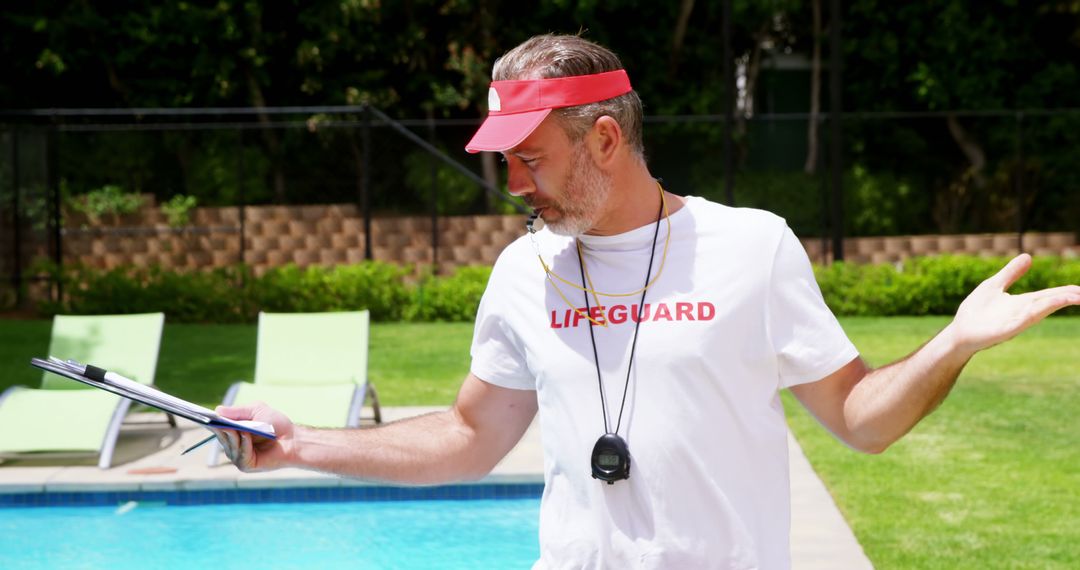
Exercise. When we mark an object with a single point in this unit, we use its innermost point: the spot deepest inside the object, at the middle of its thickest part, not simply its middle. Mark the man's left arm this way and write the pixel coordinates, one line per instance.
(870, 409)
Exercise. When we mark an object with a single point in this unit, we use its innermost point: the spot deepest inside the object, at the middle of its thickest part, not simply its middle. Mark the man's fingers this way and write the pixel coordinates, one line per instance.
(229, 441)
(223, 437)
(1045, 306)
(1013, 270)
(247, 451)
(1069, 294)
(237, 412)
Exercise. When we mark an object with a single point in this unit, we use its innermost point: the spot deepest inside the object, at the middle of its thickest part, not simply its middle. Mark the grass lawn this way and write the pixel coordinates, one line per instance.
(990, 480)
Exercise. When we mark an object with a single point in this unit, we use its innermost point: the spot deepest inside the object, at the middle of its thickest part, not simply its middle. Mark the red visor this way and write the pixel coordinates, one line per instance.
(515, 108)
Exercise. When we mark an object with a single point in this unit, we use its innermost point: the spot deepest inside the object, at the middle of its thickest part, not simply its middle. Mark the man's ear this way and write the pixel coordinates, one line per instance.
(605, 140)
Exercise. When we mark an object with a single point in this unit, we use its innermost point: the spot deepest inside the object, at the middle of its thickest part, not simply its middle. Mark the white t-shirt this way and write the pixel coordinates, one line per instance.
(735, 316)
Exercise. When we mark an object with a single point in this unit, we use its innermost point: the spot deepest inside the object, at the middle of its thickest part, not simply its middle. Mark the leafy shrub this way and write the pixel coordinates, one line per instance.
(208, 296)
(453, 298)
(376, 286)
(107, 200)
(929, 285)
(235, 294)
(178, 209)
(919, 286)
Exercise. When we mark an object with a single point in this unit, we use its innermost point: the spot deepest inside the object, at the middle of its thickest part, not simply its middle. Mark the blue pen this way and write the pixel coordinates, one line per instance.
(198, 445)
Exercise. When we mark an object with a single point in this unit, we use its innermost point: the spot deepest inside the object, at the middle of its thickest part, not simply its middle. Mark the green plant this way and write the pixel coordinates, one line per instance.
(376, 286)
(453, 298)
(178, 209)
(928, 285)
(208, 296)
(107, 200)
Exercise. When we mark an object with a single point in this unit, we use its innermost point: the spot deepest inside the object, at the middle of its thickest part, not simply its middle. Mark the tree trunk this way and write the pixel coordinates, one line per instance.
(753, 69)
(678, 36)
(273, 144)
(815, 94)
(971, 149)
(954, 202)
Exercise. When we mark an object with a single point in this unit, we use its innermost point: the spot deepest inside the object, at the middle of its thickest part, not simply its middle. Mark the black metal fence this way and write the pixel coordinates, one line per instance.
(898, 173)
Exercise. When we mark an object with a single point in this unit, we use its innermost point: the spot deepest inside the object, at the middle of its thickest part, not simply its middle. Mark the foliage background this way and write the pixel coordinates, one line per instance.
(957, 169)
(919, 286)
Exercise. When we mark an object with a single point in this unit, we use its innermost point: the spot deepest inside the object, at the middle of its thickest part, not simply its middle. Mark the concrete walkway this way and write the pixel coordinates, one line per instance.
(820, 538)
(148, 458)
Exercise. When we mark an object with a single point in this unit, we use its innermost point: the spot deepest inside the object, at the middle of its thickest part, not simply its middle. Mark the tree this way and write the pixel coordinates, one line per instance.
(949, 55)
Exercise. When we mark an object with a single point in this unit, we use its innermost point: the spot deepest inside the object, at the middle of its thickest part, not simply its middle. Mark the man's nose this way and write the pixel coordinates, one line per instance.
(518, 180)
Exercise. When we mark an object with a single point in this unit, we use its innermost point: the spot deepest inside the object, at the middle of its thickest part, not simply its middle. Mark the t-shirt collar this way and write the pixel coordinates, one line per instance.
(635, 239)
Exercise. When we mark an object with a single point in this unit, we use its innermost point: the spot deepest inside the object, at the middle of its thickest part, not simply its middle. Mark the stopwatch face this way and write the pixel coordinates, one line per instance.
(610, 458)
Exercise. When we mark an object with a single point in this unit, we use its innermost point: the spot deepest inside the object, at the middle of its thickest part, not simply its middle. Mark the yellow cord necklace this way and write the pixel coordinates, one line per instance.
(552, 276)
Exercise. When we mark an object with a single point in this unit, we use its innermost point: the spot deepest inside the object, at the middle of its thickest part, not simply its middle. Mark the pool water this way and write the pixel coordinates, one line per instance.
(450, 534)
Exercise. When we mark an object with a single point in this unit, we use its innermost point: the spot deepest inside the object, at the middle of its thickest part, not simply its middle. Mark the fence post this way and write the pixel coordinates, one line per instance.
(365, 179)
(53, 185)
(16, 274)
(1018, 181)
(729, 106)
(836, 130)
(241, 190)
(434, 195)
(823, 187)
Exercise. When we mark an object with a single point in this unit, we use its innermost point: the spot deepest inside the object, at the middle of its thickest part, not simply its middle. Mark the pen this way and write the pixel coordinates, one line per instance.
(198, 445)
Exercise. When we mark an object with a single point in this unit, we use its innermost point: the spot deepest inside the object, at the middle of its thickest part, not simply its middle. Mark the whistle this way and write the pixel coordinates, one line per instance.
(531, 224)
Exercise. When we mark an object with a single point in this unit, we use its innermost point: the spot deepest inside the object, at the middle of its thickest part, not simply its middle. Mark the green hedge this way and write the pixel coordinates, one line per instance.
(920, 286)
(235, 294)
(929, 285)
(453, 298)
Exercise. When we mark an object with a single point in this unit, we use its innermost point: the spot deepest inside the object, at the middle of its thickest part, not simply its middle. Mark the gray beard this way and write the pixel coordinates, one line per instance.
(586, 190)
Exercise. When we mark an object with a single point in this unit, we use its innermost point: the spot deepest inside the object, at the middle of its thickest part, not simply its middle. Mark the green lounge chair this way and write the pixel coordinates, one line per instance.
(312, 367)
(65, 418)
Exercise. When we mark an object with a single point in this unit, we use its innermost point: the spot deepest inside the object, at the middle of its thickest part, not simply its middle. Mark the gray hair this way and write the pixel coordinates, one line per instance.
(548, 56)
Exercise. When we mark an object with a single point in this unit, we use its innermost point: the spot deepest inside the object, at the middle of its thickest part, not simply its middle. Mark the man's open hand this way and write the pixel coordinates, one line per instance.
(990, 315)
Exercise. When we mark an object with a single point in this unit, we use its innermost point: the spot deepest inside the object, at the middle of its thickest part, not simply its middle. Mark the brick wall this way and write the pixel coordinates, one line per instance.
(896, 248)
(334, 234)
(278, 235)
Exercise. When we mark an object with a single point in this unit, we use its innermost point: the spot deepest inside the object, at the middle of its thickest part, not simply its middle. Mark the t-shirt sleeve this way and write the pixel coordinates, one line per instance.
(496, 357)
(807, 339)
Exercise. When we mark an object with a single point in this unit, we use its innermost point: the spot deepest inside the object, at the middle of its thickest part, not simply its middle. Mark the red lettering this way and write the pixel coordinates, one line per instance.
(578, 315)
(597, 314)
(617, 314)
(644, 313)
(554, 324)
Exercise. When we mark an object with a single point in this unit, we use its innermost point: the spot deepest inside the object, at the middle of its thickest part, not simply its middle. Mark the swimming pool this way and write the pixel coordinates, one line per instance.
(390, 533)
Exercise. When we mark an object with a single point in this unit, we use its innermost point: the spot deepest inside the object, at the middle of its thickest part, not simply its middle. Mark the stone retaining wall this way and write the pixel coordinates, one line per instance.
(334, 234)
(896, 248)
(278, 235)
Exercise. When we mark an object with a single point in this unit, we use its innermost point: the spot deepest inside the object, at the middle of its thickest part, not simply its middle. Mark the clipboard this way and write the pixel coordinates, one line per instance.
(126, 388)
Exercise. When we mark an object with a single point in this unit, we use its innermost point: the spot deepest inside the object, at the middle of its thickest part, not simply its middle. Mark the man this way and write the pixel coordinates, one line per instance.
(653, 336)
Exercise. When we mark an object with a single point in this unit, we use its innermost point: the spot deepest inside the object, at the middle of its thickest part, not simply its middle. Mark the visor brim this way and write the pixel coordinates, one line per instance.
(499, 133)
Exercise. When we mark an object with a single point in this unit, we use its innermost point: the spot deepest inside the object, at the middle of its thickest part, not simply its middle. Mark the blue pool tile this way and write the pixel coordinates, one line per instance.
(372, 493)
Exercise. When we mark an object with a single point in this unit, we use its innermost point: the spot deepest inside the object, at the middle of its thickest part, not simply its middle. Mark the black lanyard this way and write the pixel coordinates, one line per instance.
(611, 455)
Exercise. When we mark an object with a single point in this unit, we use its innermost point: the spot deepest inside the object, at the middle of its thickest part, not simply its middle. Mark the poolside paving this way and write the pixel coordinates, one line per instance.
(148, 458)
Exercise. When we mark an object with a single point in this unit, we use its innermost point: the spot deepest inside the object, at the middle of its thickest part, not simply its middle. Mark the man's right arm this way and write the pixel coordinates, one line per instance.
(462, 443)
